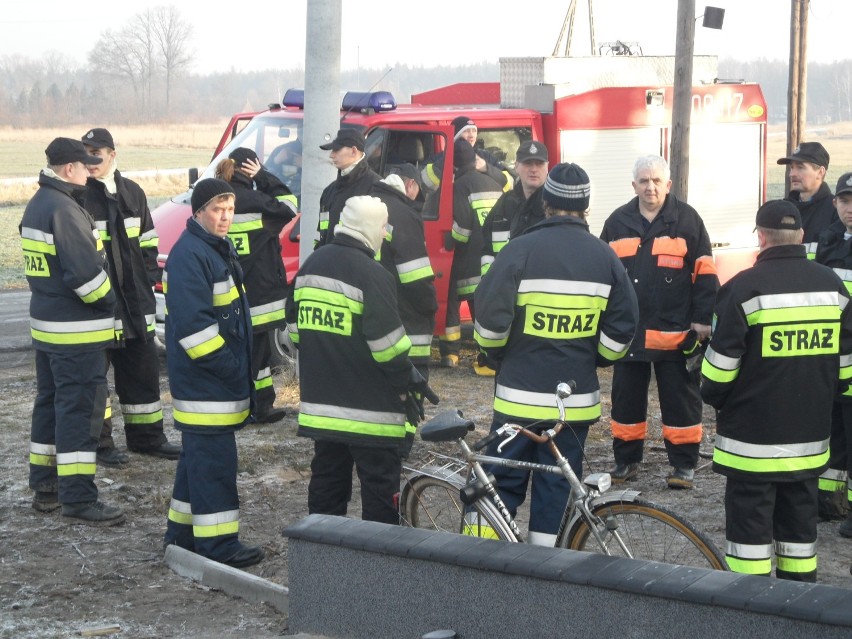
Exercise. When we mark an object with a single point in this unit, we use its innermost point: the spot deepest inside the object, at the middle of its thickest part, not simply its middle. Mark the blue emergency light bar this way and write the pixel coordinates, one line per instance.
(368, 101)
(294, 98)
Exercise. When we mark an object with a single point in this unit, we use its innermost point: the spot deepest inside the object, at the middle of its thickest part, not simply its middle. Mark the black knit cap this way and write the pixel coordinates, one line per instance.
(98, 138)
(205, 190)
(463, 154)
(242, 154)
(460, 124)
(567, 188)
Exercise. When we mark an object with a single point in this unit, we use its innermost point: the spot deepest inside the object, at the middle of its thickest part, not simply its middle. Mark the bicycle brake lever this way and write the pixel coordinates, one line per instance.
(514, 434)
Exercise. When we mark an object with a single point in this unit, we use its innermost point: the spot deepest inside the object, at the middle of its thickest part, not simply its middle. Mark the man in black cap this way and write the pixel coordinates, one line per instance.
(780, 351)
(120, 210)
(209, 341)
(665, 248)
(809, 192)
(71, 320)
(464, 128)
(520, 208)
(474, 193)
(835, 486)
(354, 177)
(555, 304)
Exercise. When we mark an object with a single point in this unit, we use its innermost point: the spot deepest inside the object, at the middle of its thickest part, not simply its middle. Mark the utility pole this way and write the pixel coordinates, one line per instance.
(797, 80)
(682, 104)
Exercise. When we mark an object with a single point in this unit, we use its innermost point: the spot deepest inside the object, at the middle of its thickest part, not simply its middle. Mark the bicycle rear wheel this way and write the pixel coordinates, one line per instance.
(428, 502)
(648, 531)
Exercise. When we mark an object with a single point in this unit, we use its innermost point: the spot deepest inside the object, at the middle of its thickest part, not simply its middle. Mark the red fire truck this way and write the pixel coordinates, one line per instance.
(602, 128)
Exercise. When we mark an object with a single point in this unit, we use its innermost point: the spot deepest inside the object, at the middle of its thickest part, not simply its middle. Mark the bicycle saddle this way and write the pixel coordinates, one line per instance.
(446, 426)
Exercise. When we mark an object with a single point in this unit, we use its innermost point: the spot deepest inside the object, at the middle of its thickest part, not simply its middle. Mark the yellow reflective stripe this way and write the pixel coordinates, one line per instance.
(142, 413)
(180, 512)
(203, 342)
(81, 337)
(266, 313)
(386, 347)
(460, 234)
(95, 289)
(223, 299)
(352, 420)
(216, 524)
(782, 465)
(37, 247)
(312, 294)
(244, 227)
(414, 270)
(718, 375)
(42, 460)
(580, 407)
(749, 566)
(76, 463)
(796, 564)
(266, 382)
(610, 349)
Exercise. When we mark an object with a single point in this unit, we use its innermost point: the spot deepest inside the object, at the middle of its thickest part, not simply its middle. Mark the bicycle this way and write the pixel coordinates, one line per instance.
(457, 495)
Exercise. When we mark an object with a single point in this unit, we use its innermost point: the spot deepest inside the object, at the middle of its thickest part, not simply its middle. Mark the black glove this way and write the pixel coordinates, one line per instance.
(417, 390)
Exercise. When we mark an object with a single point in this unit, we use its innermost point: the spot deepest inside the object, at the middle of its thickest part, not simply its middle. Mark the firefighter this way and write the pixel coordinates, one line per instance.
(403, 254)
(259, 216)
(208, 338)
(546, 315)
(465, 128)
(834, 249)
(120, 210)
(665, 248)
(520, 208)
(357, 386)
(474, 193)
(780, 351)
(71, 319)
(354, 177)
(809, 192)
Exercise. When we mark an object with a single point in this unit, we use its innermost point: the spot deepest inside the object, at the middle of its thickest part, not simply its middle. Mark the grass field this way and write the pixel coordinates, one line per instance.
(182, 146)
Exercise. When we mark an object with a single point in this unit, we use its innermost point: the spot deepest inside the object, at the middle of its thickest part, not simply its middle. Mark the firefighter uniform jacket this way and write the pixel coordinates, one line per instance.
(512, 214)
(353, 362)
(358, 181)
(835, 251)
(404, 255)
(474, 194)
(130, 241)
(818, 214)
(430, 176)
(672, 270)
(781, 348)
(72, 301)
(547, 315)
(208, 334)
(259, 217)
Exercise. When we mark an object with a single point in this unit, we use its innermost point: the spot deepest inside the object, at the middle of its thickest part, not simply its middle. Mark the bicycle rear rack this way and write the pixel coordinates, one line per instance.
(440, 466)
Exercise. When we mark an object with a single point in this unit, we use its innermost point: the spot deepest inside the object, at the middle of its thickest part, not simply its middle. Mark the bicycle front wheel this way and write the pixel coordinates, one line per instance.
(435, 504)
(646, 531)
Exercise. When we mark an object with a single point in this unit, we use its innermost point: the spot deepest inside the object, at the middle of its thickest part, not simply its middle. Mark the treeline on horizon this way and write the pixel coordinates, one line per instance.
(46, 93)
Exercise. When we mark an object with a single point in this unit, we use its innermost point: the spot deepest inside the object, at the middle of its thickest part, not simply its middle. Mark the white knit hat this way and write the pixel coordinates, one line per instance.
(365, 218)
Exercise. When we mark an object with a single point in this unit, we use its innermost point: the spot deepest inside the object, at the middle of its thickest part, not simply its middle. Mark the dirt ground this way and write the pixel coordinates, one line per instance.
(56, 579)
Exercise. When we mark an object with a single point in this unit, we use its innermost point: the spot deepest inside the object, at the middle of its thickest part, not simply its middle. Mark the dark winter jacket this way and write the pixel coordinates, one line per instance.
(130, 242)
(208, 334)
(512, 215)
(546, 314)
(781, 352)
(72, 301)
(358, 181)
(672, 270)
(818, 214)
(259, 217)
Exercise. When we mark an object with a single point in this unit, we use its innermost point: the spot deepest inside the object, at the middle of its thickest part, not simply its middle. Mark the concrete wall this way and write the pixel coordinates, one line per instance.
(350, 578)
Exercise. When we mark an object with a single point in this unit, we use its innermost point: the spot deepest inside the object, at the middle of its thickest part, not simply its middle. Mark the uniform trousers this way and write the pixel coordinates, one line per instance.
(330, 488)
(837, 477)
(261, 372)
(680, 407)
(549, 492)
(758, 513)
(136, 368)
(204, 514)
(449, 342)
(69, 406)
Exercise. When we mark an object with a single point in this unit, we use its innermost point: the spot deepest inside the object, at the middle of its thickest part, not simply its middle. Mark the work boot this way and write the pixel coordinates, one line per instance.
(450, 361)
(246, 556)
(271, 415)
(845, 529)
(166, 450)
(92, 513)
(481, 367)
(112, 457)
(45, 502)
(624, 472)
(681, 478)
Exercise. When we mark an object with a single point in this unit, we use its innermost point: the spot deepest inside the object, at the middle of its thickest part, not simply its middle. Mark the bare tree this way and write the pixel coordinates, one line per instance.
(172, 35)
(115, 54)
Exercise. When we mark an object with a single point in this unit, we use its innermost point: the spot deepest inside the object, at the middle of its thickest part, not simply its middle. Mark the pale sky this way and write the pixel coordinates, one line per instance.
(266, 34)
